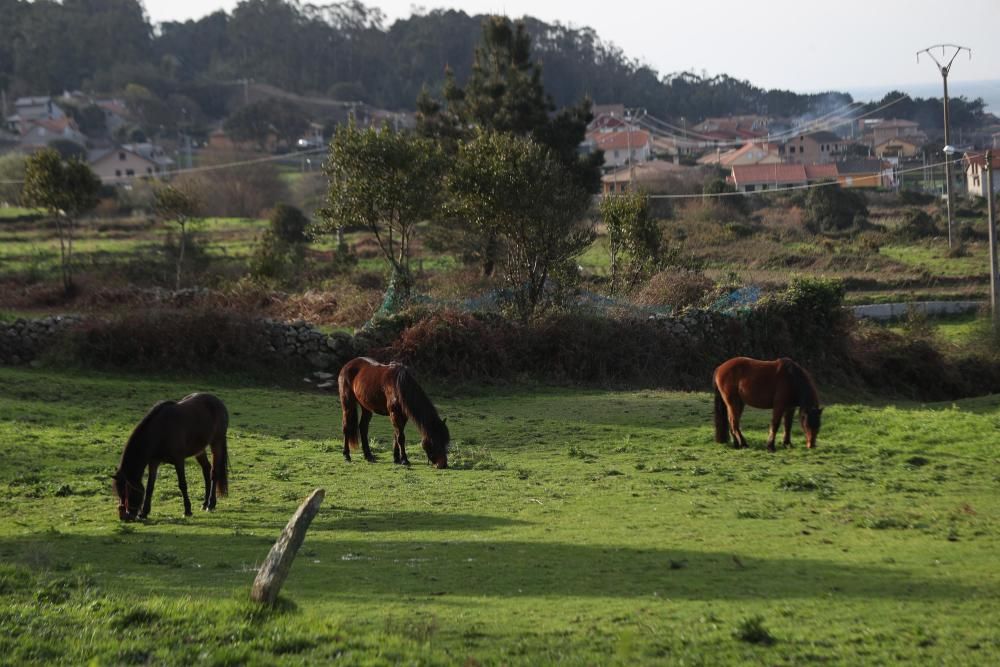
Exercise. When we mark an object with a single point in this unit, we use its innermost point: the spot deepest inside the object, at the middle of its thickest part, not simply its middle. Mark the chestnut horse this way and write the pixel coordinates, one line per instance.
(169, 433)
(781, 385)
(389, 389)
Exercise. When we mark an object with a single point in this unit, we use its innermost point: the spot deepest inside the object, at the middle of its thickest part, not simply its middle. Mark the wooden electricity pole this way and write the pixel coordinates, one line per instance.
(992, 222)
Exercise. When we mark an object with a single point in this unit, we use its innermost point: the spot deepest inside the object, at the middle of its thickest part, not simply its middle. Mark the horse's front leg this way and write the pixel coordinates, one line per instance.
(147, 500)
(206, 471)
(182, 483)
(789, 413)
(366, 418)
(398, 418)
(776, 415)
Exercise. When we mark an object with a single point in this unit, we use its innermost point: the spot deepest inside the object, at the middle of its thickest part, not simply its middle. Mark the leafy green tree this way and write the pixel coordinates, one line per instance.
(387, 182)
(176, 205)
(505, 93)
(833, 209)
(67, 190)
(516, 190)
(634, 239)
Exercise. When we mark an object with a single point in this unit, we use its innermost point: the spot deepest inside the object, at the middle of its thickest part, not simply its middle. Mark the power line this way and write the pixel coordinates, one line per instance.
(787, 188)
(709, 138)
(195, 170)
(812, 126)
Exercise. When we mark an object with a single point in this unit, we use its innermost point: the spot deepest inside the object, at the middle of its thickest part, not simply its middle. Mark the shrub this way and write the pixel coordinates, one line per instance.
(675, 287)
(289, 224)
(752, 631)
(169, 339)
(917, 224)
(915, 198)
(275, 258)
(832, 209)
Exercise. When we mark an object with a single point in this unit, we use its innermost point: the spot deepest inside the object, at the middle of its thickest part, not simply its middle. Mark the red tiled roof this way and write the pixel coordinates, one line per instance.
(818, 172)
(621, 140)
(979, 159)
(769, 173)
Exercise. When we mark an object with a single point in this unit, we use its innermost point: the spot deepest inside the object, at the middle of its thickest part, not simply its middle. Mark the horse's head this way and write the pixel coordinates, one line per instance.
(810, 424)
(436, 446)
(129, 496)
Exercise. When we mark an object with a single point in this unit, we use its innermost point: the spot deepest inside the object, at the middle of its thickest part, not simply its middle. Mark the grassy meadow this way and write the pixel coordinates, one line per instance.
(575, 526)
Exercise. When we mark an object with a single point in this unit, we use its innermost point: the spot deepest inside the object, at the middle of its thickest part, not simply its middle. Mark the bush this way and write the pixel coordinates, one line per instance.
(834, 209)
(915, 198)
(675, 287)
(160, 339)
(275, 258)
(289, 224)
(917, 224)
(752, 631)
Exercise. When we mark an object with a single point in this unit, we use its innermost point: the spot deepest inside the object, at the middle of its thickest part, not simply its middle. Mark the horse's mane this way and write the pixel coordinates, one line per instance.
(802, 385)
(419, 408)
(131, 446)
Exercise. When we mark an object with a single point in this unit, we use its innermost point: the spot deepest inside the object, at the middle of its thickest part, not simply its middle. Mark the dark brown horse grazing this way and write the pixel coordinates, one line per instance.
(389, 389)
(781, 385)
(169, 433)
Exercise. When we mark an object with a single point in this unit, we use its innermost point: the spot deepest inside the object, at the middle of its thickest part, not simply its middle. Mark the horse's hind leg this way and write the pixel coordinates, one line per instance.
(182, 483)
(735, 410)
(398, 418)
(350, 428)
(147, 500)
(206, 471)
(366, 418)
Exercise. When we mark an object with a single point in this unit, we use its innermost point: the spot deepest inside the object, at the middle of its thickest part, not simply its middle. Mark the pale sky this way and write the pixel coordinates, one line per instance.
(792, 44)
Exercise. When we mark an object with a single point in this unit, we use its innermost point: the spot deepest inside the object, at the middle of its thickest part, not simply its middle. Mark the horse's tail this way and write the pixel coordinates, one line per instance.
(721, 416)
(347, 403)
(418, 406)
(220, 457)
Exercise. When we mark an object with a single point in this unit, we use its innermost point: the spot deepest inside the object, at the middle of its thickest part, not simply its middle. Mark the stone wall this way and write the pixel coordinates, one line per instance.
(22, 341)
(299, 341)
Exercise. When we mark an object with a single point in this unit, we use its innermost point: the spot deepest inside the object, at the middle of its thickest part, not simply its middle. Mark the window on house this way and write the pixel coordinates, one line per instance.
(121, 155)
(749, 188)
(149, 170)
(118, 172)
(130, 172)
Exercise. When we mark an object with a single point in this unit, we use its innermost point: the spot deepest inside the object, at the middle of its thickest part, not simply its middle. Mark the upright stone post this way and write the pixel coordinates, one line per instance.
(274, 571)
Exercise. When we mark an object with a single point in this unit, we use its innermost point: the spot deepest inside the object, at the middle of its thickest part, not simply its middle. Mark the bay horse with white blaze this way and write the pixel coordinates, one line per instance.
(389, 390)
(169, 433)
(781, 385)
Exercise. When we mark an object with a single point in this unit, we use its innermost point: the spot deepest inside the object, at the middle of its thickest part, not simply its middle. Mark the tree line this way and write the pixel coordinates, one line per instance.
(182, 71)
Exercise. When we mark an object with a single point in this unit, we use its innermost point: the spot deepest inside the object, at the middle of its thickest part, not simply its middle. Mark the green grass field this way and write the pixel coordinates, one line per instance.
(575, 526)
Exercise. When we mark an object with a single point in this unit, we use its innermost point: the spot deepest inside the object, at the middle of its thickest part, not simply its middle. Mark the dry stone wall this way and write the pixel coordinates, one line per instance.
(22, 341)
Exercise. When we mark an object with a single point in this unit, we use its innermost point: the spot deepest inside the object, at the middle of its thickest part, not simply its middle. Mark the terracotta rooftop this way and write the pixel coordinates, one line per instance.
(608, 141)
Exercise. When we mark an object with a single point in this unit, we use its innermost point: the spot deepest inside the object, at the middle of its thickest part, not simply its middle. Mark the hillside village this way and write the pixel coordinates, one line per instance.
(760, 153)
(755, 153)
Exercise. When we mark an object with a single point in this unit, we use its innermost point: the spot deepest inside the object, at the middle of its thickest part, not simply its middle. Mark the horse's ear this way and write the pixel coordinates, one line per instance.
(819, 410)
(444, 421)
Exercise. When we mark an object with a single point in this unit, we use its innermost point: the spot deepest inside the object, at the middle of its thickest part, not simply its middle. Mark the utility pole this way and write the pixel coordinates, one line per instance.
(945, 69)
(992, 222)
